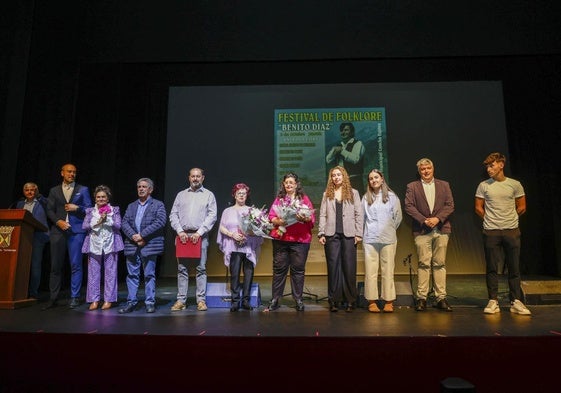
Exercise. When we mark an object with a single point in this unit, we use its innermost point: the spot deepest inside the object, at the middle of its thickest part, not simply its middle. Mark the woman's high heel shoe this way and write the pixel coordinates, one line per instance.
(94, 306)
(274, 305)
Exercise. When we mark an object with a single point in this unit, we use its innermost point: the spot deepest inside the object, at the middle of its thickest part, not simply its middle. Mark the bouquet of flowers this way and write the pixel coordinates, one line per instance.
(103, 212)
(105, 209)
(288, 209)
(256, 222)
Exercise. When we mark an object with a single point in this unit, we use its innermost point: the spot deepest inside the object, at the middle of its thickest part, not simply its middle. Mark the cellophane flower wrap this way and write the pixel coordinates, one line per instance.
(287, 210)
(256, 222)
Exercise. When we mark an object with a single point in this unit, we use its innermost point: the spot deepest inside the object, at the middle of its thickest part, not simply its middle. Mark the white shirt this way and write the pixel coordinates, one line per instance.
(429, 193)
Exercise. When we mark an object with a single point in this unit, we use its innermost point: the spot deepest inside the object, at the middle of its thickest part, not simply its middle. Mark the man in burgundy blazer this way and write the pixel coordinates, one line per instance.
(429, 202)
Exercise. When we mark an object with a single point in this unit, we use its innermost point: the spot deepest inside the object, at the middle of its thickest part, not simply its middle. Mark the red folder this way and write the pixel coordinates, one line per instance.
(188, 249)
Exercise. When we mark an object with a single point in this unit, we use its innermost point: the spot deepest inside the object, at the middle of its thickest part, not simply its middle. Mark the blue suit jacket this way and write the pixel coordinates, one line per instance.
(152, 228)
(40, 213)
(55, 206)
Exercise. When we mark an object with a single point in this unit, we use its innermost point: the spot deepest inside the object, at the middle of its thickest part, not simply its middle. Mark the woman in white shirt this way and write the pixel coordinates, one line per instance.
(382, 216)
(102, 244)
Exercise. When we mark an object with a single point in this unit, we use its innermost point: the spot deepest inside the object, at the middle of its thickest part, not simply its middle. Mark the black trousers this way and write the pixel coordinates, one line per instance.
(498, 243)
(340, 252)
(289, 256)
(239, 261)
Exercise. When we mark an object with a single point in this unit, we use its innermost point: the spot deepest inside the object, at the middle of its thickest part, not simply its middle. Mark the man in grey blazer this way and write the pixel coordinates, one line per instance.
(430, 204)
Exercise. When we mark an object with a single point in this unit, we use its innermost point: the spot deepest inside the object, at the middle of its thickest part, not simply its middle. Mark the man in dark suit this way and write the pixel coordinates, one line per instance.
(36, 204)
(430, 204)
(66, 209)
(143, 225)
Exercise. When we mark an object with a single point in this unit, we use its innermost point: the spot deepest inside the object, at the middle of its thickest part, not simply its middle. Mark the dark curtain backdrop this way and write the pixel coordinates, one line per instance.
(87, 82)
(110, 119)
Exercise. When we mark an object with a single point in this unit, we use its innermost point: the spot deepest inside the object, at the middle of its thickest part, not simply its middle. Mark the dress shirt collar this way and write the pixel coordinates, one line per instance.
(145, 202)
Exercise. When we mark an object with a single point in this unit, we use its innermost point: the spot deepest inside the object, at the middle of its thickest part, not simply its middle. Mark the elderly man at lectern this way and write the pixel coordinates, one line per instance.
(36, 204)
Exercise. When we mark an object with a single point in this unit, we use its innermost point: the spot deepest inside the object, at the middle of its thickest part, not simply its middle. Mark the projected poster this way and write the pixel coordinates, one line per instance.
(309, 142)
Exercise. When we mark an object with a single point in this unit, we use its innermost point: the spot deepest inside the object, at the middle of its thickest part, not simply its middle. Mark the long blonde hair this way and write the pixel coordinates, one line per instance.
(346, 188)
(370, 195)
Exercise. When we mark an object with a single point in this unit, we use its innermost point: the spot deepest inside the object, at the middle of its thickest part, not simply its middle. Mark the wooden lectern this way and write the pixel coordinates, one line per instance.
(16, 239)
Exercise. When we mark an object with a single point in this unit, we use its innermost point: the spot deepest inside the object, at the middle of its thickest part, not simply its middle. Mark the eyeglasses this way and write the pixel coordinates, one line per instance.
(241, 193)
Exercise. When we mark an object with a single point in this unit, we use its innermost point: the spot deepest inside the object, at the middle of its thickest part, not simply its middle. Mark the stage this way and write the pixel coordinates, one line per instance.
(81, 350)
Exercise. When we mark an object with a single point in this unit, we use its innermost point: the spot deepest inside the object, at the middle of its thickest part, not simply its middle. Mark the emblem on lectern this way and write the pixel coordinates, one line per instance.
(6, 236)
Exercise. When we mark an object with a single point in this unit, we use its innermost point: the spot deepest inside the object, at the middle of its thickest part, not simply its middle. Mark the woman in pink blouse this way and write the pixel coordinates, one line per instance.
(292, 214)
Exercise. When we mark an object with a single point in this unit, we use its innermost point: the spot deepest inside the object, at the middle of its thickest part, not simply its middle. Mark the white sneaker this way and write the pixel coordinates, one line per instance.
(492, 307)
(518, 307)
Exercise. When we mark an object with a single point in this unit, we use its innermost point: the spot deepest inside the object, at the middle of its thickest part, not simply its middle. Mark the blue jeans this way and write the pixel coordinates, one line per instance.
(148, 264)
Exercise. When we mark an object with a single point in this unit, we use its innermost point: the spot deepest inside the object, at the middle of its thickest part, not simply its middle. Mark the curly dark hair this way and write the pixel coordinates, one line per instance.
(299, 191)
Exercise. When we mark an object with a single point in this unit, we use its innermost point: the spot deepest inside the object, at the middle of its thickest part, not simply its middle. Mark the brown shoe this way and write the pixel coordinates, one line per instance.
(373, 307)
(94, 305)
(178, 306)
(106, 306)
(388, 307)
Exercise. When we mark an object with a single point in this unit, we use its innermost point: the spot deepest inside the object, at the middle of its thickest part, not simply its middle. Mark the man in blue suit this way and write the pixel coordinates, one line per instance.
(143, 225)
(66, 208)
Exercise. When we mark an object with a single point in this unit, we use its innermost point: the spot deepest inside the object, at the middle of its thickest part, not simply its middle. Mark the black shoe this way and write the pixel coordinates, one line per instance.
(235, 307)
(350, 307)
(129, 307)
(299, 305)
(421, 305)
(443, 305)
(246, 305)
(274, 305)
(333, 306)
(150, 308)
(74, 302)
(49, 305)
